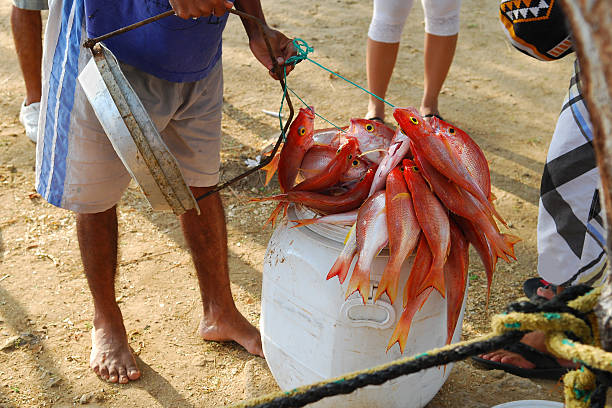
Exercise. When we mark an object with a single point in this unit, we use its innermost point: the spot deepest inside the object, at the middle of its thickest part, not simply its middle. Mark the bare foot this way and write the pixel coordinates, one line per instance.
(537, 340)
(111, 357)
(232, 327)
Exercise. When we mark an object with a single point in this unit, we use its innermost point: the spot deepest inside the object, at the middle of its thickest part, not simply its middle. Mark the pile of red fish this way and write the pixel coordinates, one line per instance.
(425, 186)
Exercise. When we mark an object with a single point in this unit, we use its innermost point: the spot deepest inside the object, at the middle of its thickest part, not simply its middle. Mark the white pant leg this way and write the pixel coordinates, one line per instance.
(441, 16)
(388, 19)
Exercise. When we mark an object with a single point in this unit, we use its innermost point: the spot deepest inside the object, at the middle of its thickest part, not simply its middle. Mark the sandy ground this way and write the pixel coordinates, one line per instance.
(506, 101)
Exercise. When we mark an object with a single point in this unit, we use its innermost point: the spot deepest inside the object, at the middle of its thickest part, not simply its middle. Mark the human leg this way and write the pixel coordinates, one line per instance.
(380, 61)
(206, 237)
(388, 19)
(27, 35)
(441, 33)
(439, 53)
(189, 118)
(111, 357)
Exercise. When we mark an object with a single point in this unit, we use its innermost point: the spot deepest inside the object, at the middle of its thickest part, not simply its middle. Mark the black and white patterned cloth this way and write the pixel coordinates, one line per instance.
(571, 232)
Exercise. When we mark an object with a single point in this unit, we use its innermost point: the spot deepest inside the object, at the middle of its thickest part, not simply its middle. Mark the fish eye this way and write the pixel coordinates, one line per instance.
(414, 120)
(369, 127)
(302, 131)
(355, 163)
(451, 131)
(401, 168)
(415, 168)
(350, 156)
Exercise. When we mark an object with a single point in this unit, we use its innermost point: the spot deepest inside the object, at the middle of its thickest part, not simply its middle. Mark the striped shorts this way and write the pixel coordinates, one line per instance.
(76, 165)
(571, 233)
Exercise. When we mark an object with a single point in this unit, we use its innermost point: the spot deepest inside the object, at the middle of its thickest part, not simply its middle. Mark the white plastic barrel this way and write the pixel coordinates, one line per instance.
(310, 332)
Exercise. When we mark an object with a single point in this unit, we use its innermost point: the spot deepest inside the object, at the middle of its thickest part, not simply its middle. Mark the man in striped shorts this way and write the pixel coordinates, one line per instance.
(174, 65)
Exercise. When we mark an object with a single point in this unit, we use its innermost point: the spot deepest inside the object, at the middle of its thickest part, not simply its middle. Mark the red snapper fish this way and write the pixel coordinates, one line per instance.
(403, 229)
(464, 204)
(299, 141)
(334, 170)
(477, 238)
(329, 204)
(374, 138)
(468, 151)
(455, 275)
(371, 229)
(319, 156)
(436, 149)
(433, 219)
(413, 300)
(400, 146)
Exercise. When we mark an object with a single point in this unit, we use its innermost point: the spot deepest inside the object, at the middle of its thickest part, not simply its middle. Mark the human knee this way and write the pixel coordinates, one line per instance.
(388, 19)
(441, 16)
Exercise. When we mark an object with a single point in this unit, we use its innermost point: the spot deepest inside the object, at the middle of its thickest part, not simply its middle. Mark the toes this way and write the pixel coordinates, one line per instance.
(133, 373)
(104, 373)
(123, 378)
(113, 376)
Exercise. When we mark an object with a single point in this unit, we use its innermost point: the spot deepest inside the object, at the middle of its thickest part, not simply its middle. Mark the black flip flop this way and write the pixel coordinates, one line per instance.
(377, 119)
(531, 286)
(546, 366)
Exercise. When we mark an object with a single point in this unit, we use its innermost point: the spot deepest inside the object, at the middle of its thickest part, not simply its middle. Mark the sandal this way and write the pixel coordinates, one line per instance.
(376, 119)
(531, 286)
(546, 366)
(433, 115)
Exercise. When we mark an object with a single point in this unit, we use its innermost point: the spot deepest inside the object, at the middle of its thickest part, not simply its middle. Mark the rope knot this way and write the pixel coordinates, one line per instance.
(302, 48)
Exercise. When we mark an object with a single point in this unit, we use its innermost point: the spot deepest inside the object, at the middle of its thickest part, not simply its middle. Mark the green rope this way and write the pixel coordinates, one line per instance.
(308, 106)
(302, 54)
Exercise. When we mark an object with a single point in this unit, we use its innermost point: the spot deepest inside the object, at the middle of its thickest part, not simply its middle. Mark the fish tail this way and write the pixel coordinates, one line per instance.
(272, 219)
(389, 282)
(510, 241)
(434, 279)
(360, 281)
(341, 267)
(271, 168)
(400, 334)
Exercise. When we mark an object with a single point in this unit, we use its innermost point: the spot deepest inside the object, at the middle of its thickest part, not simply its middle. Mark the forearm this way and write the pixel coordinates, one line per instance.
(252, 7)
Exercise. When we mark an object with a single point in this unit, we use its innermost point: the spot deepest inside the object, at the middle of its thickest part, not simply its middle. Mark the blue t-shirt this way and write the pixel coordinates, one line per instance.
(173, 49)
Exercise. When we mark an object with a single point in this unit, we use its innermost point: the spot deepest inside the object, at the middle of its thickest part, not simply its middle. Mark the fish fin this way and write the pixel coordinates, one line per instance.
(399, 196)
(360, 281)
(304, 222)
(278, 197)
(490, 280)
(348, 234)
(497, 215)
(400, 334)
